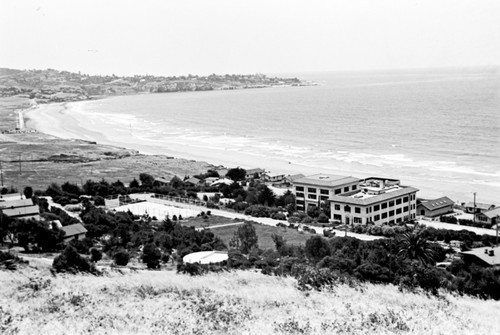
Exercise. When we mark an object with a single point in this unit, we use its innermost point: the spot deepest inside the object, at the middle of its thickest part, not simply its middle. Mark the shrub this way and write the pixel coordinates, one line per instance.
(258, 211)
(121, 257)
(151, 255)
(323, 218)
(317, 248)
(307, 219)
(278, 216)
(194, 269)
(95, 255)
(373, 272)
(71, 261)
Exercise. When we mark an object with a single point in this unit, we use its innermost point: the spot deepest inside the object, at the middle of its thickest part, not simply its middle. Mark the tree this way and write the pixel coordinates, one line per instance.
(71, 188)
(71, 261)
(266, 196)
(134, 183)
(317, 248)
(236, 174)
(121, 257)
(95, 255)
(247, 237)
(146, 179)
(414, 246)
(151, 255)
(28, 192)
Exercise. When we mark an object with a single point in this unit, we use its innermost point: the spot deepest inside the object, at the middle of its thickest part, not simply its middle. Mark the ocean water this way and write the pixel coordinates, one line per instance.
(436, 130)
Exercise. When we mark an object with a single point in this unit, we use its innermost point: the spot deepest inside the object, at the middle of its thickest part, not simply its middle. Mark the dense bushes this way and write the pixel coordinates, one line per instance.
(151, 255)
(71, 261)
(121, 257)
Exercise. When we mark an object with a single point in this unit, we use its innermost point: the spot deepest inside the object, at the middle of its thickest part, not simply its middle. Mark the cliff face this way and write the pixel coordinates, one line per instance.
(58, 86)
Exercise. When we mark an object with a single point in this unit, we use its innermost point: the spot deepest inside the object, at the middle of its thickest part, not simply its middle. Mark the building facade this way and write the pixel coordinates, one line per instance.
(376, 200)
(313, 190)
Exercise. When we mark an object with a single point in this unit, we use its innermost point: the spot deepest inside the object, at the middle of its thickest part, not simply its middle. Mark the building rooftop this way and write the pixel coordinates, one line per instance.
(252, 171)
(16, 203)
(192, 180)
(488, 255)
(480, 205)
(492, 213)
(74, 229)
(436, 203)
(21, 211)
(359, 197)
(328, 180)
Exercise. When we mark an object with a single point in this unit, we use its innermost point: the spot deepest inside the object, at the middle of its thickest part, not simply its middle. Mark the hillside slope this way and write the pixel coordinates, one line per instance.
(34, 302)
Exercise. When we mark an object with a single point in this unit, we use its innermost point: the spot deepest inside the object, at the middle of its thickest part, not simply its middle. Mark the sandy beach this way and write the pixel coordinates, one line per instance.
(73, 121)
(68, 121)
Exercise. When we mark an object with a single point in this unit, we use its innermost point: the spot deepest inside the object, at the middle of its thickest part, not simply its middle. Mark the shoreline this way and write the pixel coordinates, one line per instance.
(72, 122)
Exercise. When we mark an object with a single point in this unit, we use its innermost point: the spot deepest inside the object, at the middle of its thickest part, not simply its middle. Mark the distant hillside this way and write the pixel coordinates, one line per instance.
(58, 86)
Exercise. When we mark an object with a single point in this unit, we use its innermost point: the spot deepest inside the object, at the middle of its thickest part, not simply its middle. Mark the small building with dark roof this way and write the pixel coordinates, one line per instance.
(478, 207)
(435, 207)
(192, 181)
(484, 256)
(74, 232)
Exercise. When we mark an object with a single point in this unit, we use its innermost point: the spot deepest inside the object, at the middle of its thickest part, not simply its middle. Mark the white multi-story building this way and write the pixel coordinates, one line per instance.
(313, 190)
(376, 200)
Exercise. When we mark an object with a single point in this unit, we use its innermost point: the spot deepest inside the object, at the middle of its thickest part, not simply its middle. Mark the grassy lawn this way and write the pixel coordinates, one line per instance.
(264, 234)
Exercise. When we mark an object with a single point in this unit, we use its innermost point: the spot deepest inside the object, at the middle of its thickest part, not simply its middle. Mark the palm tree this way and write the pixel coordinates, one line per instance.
(414, 246)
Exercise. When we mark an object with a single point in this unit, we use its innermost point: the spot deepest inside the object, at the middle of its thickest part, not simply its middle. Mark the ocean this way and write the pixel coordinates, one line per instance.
(436, 130)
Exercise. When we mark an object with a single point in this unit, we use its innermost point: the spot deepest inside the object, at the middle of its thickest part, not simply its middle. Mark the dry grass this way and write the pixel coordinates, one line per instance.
(33, 302)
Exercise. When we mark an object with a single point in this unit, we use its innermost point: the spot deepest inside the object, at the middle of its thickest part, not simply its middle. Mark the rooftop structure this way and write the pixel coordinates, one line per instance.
(376, 200)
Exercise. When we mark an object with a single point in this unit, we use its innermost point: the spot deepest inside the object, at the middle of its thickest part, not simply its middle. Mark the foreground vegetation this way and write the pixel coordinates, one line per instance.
(227, 303)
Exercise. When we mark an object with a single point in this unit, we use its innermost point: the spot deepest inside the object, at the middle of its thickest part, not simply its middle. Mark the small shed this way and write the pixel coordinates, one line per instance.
(74, 232)
(435, 207)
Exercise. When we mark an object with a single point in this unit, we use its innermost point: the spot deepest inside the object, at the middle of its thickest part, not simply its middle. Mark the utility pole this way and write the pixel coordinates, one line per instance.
(20, 171)
(1, 173)
(497, 222)
(474, 213)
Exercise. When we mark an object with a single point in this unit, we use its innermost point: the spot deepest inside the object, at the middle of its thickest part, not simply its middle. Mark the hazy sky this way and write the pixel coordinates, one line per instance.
(229, 36)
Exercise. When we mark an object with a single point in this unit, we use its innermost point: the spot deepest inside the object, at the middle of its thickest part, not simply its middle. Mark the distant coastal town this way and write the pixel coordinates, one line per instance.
(45, 86)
